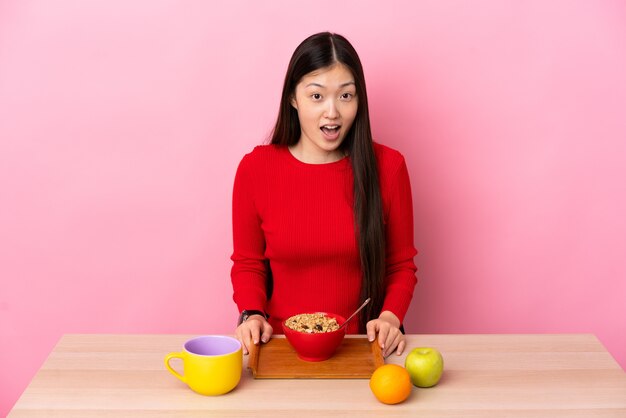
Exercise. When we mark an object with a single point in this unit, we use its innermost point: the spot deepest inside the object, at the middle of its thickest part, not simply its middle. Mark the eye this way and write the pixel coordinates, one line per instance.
(347, 96)
(316, 96)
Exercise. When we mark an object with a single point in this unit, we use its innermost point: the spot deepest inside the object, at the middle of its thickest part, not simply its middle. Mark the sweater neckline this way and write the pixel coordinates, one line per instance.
(339, 164)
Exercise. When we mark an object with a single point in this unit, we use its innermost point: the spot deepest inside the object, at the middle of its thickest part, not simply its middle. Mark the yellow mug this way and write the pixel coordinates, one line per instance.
(212, 364)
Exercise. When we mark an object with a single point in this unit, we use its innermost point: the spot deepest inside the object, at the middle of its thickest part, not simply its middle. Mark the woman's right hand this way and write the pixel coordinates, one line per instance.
(252, 330)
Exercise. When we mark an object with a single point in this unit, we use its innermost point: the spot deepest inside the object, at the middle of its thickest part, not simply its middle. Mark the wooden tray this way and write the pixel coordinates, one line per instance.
(356, 358)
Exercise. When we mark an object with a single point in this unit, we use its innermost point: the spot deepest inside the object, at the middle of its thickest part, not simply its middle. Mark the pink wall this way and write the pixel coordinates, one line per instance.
(122, 124)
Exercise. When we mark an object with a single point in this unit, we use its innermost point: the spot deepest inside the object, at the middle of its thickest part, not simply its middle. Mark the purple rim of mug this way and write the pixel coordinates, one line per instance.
(212, 345)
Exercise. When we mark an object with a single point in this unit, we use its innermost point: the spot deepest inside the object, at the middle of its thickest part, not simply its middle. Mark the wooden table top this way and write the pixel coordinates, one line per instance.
(485, 376)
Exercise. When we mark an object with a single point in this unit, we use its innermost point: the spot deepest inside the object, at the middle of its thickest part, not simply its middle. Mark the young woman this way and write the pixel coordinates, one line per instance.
(322, 216)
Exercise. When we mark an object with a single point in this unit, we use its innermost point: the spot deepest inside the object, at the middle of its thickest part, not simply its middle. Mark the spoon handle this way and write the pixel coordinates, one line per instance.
(356, 312)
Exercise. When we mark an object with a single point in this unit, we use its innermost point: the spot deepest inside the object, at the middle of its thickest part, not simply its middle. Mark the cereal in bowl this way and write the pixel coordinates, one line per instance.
(312, 323)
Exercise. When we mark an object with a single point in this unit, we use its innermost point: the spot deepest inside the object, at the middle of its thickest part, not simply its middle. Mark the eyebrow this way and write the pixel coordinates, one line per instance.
(319, 85)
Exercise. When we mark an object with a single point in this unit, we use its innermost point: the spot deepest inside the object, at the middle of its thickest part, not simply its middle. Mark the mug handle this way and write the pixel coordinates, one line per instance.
(174, 372)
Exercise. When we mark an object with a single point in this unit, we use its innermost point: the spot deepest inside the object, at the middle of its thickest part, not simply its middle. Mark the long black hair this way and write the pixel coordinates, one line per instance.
(320, 51)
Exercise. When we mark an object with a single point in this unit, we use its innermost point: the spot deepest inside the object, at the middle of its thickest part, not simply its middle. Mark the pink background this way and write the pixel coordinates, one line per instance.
(122, 124)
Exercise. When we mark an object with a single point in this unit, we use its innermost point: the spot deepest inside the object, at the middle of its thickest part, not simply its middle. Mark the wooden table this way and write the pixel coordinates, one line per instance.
(485, 376)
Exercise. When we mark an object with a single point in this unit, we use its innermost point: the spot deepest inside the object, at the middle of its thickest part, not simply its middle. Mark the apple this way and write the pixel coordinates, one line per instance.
(425, 366)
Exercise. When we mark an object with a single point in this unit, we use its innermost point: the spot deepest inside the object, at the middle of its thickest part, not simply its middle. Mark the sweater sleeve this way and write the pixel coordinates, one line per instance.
(400, 269)
(248, 273)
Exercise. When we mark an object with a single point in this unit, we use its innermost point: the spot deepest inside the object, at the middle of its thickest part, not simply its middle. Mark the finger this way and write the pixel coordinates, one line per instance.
(401, 346)
(394, 340)
(244, 349)
(383, 332)
(388, 344)
(267, 332)
(244, 339)
(371, 330)
(255, 331)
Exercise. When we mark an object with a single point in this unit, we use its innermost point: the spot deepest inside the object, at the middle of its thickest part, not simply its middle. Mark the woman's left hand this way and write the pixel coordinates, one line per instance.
(389, 336)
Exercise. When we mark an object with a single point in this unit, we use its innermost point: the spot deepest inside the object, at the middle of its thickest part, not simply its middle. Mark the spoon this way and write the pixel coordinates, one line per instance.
(355, 312)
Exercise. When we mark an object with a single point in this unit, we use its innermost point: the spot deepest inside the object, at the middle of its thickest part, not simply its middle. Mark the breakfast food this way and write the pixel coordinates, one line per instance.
(312, 323)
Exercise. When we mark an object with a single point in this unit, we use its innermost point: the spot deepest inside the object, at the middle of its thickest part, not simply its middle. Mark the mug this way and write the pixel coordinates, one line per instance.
(212, 364)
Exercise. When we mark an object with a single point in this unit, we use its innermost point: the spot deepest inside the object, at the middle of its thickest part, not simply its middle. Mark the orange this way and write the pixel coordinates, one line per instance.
(391, 384)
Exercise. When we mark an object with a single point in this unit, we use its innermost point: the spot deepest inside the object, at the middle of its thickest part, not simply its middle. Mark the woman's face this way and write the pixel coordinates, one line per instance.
(326, 102)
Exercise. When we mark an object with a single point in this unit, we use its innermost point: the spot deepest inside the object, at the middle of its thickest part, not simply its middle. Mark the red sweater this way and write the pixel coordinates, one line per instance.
(300, 217)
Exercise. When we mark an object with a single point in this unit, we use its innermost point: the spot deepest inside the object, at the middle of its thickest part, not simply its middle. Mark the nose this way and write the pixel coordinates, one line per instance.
(331, 110)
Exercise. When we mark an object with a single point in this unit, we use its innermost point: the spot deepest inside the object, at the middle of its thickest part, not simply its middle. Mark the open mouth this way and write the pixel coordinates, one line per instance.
(331, 130)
